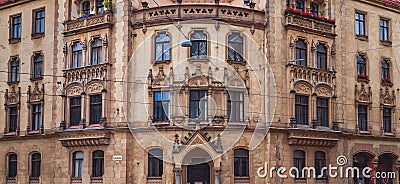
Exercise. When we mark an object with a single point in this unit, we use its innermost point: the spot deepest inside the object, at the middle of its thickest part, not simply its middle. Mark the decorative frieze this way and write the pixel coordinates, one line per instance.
(86, 140)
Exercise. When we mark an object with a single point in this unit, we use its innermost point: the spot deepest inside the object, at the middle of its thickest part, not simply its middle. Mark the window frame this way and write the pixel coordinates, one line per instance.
(77, 162)
(362, 117)
(198, 104)
(71, 107)
(12, 169)
(99, 6)
(361, 66)
(319, 163)
(360, 23)
(314, 9)
(98, 115)
(382, 29)
(98, 164)
(200, 55)
(76, 55)
(14, 76)
(32, 174)
(236, 48)
(40, 20)
(36, 125)
(301, 53)
(10, 119)
(385, 70)
(158, 162)
(302, 3)
(322, 57)
(96, 51)
(164, 112)
(320, 107)
(12, 37)
(164, 44)
(387, 119)
(85, 11)
(37, 75)
(239, 102)
(299, 162)
(303, 105)
(243, 161)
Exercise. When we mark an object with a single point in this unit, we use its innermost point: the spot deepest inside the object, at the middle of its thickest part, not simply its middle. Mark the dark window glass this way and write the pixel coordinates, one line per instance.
(155, 161)
(301, 109)
(162, 47)
(300, 5)
(14, 70)
(198, 50)
(386, 164)
(235, 47)
(322, 57)
(301, 53)
(39, 21)
(362, 117)
(299, 160)
(76, 55)
(161, 106)
(387, 120)
(77, 164)
(36, 164)
(97, 47)
(75, 111)
(85, 8)
(319, 163)
(361, 65)
(13, 115)
(384, 30)
(12, 165)
(38, 66)
(95, 109)
(360, 23)
(385, 70)
(323, 111)
(16, 27)
(99, 6)
(36, 116)
(241, 163)
(314, 9)
(198, 104)
(98, 163)
(235, 106)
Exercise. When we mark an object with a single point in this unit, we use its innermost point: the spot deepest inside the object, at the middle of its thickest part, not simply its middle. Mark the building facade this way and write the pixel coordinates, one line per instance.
(113, 92)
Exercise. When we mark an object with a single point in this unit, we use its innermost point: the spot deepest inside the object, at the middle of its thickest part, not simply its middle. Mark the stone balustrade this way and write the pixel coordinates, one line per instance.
(86, 74)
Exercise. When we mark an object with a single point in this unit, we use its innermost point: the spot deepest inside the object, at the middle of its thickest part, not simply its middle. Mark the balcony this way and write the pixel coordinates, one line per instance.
(86, 74)
(95, 22)
(234, 15)
(310, 24)
(311, 75)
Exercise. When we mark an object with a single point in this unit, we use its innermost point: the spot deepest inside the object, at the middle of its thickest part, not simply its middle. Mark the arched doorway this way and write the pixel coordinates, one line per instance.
(385, 165)
(198, 174)
(362, 160)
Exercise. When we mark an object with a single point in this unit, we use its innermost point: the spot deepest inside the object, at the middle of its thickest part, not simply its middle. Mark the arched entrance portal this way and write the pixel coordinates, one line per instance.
(362, 160)
(198, 164)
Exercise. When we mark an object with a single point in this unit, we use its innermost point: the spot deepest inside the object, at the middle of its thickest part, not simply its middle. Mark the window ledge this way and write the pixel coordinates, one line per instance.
(10, 134)
(14, 40)
(364, 132)
(12, 83)
(36, 79)
(154, 177)
(37, 35)
(199, 59)
(236, 62)
(242, 178)
(160, 123)
(386, 83)
(362, 37)
(34, 132)
(161, 62)
(362, 79)
(386, 43)
(388, 134)
(94, 125)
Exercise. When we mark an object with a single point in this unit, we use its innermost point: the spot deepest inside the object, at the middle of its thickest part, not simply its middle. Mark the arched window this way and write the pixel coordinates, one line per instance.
(322, 62)
(386, 70)
(12, 165)
(36, 159)
(14, 70)
(198, 50)
(96, 50)
(301, 53)
(235, 47)
(38, 66)
(76, 55)
(299, 161)
(98, 163)
(361, 66)
(162, 49)
(241, 162)
(155, 162)
(319, 163)
(77, 164)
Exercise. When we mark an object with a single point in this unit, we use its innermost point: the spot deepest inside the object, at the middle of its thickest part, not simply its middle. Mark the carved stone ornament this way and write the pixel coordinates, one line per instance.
(36, 94)
(362, 94)
(75, 90)
(386, 97)
(198, 81)
(311, 140)
(325, 91)
(14, 96)
(303, 87)
(94, 88)
(86, 140)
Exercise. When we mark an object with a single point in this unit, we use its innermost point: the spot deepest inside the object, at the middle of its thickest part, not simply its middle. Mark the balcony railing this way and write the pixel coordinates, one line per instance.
(310, 25)
(238, 15)
(311, 75)
(86, 74)
(83, 24)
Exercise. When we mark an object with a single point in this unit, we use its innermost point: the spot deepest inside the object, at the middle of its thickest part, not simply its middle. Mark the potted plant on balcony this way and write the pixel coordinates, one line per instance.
(107, 6)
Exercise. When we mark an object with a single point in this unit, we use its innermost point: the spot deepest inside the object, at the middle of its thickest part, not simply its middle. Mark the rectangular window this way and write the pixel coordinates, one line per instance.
(387, 120)
(198, 104)
(39, 21)
(384, 30)
(13, 121)
(75, 111)
(360, 24)
(95, 109)
(235, 106)
(36, 116)
(322, 111)
(362, 117)
(16, 27)
(99, 6)
(314, 9)
(85, 8)
(161, 106)
(301, 109)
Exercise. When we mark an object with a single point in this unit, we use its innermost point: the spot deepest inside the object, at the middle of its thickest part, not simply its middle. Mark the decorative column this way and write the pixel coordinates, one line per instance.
(84, 53)
(178, 175)
(217, 174)
(82, 123)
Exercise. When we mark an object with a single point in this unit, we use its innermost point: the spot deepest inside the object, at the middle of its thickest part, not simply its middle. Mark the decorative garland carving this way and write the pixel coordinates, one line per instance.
(303, 87)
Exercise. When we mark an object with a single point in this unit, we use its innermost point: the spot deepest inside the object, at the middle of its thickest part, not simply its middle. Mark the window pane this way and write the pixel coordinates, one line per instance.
(36, 164)
(12, 165)
(95, 109)
(75, 111)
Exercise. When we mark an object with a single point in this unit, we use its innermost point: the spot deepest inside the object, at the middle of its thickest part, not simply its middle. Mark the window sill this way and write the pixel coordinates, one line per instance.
(74, 127)
(236, 62)
(362, 37)
(154, 177)
(37, 35)
(386, 83)
(160, 123)
(12, 83)
(362, 79)
(10, 134)
(14, 40)
(36, 79)
(34, 132)
(388, 134)
(364, 132)
(386, 43)
(94, 125)
(161, 62)
(199, 59)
